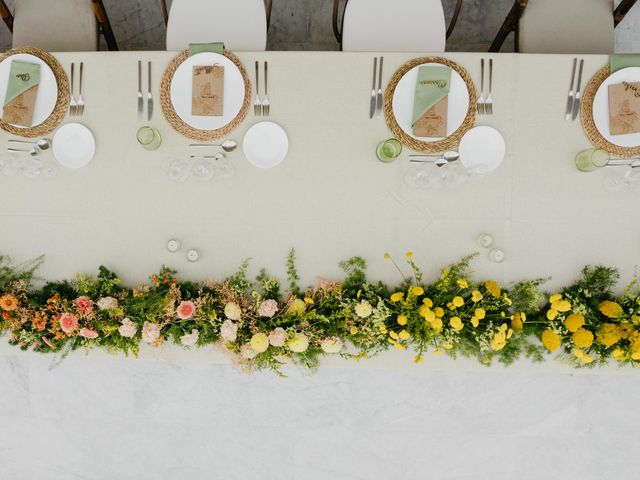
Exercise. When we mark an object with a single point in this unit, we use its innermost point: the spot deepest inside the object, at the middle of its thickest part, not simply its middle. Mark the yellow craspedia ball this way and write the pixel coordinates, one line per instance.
(396, 297)
(404, 335)
(427, 302)
(418, 359)
(475, 322)
(437, 324)
(402, 319)
(456, 323)
(259, 342)
(561, 305)
(393, 334)
(574, 321)
(476, 296)
(458, 301)
(582, 338)
(439, 311)
(550, 340)
(416, 291)
(552, 314)
(462, 283)
(610, 309)
(480, 313)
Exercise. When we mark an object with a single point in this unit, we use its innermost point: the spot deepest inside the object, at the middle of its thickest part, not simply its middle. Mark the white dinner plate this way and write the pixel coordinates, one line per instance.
(265, 144)
(182, 83)
(601, 107)
(73, 145)
(482, 149)
(47, 90)
(402, 104)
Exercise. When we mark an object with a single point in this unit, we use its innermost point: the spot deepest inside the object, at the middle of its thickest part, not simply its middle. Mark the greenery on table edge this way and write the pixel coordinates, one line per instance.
(263, 328)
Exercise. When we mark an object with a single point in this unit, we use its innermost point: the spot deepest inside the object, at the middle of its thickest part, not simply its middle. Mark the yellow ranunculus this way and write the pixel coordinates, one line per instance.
(608, 334)
(402, 319)
(493, 288)
(437, 324)
(456, 323)
(458, 301)
(396, 297)
(580, 355)
(439, 312)
(475, 322)
(499, 340)
(574, 321)
(427, 302)
(618, 354)
(582, 338)
(480, 313)
(259, 342)
(404, 335)
(517, 320)
(561, 305)
(299, 343)
(550, 340)
(610, 309)
(552, 314)
(416, 291)
(625, 330)
(426, 313)
(476, 296)
(555, 297)
(462, 283)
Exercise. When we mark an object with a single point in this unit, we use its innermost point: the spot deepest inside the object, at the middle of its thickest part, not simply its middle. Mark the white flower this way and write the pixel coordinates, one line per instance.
(268, 308)
(331, 345)
(299, 343)
(150, 332)
(190, 339)
(363, 309)
(232, 311)
(107, 303)
(247, 352)
(278, 337)
(229, 331)
(128, 329)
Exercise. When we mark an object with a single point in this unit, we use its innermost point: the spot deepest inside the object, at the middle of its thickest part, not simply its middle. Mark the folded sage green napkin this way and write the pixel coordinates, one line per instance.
(432, 86)
(215, 47)
(623, 60)
(22, 76)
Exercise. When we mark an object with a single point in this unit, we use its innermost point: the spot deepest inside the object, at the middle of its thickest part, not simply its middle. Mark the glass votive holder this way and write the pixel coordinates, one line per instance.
(591, 159)
(388, 150)
(149, 138)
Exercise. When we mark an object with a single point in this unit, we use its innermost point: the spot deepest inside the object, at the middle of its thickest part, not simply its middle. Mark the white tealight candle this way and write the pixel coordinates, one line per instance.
(173, 245)
(496, 255)
(193, 255)
(485, 240)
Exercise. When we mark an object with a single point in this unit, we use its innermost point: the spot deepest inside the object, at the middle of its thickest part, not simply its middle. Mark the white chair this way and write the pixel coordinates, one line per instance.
(393, 26)
(240, 24)
(60, 26)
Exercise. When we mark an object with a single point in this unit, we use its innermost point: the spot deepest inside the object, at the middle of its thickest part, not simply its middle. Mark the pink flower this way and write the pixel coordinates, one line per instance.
(88, 333)
(229, 331)
(128, 329)
(278, 337)
(185, 310)
(107, 303)
(150, 332)
(268, 308)
(83, 304)
(190, 339)
(68, 322)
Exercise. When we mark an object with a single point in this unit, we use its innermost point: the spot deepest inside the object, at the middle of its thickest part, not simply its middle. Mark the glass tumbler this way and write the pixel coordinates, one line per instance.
(149, 138)
(388, 150)
(591, 159)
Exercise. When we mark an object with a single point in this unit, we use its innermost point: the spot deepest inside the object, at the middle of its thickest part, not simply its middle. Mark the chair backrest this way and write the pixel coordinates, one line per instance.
(240, 24)
(394, 26)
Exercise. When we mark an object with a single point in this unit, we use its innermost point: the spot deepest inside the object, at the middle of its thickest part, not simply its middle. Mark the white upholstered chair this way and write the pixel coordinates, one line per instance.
(393, 26)
(240, 24)
(58, 26)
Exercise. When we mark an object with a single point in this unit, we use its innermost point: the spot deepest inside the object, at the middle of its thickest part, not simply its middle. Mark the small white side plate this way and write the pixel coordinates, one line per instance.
(74, 145)
(482, 149)
(265, 145)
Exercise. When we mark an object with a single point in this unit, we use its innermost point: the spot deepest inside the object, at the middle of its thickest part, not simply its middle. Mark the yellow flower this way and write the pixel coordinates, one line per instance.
(387, 256)
(259, 342)
(476, 296)
(416, 291)
(462, 283)
(409, 254)
(404, 335)
(427, 313)
(550, 340)
(458, 301)
(393, 334)
(574, 321)
(438, 351)
(610, 309)
(297, 307)
(427, 302)
(418, 359)
(447, 346)
(475, 322)
(437, 324)
(503, 327)
(8, 302)
(396, 297)
(353, 330)
(552, 314)
(499, 340)
(618, 354)
(439, 312)
(555, 297)
(493, 288)
(580, 355)
(608, 334)
(509, 333)
(456, 323)
(561, 305)
(517, 320)
(507, 299)
(308, 300)
(582, 338)
(625, 330)
(480, 313)
(402, 319)
(398, 345)
(382, 329)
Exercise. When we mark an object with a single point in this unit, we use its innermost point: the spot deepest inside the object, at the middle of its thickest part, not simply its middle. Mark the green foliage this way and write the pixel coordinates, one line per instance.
(356, 276)
(292, 274)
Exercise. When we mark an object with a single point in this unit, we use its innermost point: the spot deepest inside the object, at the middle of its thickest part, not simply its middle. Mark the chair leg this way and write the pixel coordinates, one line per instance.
(454, 18)
(509, 25)
(268, 6)
(105, 25)
(337, 29)
(622, 10)
(6, 15)
(165, 11)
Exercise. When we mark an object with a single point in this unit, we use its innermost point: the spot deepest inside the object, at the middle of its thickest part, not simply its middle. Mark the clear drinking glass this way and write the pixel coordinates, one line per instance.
(223, 168)
(613, 183)
(417, 176)
(149, 138)
(202, 169)
(177, 170)
(591, 159)
(388, 150)
(632, 180)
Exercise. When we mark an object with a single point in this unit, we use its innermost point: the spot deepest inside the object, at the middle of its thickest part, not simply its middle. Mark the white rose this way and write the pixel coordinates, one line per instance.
(247, 352)
(150, 332)
(128, 329)
(107, 303)
(190, 339)
(229, 331)
(232, 311)
(331, 345)
(363, 309)
(278, 337)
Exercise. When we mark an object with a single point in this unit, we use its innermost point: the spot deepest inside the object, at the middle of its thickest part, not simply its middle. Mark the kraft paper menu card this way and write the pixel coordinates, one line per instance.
(207, 98)
(624, 108)
(430, 103)
(22, 90)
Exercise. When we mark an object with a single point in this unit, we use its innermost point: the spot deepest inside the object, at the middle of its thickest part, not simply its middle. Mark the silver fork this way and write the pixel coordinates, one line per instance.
(257, 104)
(73, 105)
(80, 107)
(488, 102)
(481, 110)
(266, 106)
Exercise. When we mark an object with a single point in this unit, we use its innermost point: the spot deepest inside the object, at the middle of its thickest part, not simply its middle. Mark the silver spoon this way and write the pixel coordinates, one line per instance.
(448, 156)
(217, 156)
(227, 145)
(33, 151)
(42, 144)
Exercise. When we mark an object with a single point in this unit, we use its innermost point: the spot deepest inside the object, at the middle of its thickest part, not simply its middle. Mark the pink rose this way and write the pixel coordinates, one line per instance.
(88, 333)
(128, 329)
(229, 331)
(68, 322)
(107, 303)
(150, 332)
(278, 337)
(190, 339)
(185, 310)
(83, 304)
(268, 308)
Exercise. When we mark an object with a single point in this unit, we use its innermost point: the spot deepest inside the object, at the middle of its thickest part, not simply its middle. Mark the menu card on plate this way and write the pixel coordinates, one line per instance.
(624, 108)
(22, 90)
(430, 102)
(207, 98)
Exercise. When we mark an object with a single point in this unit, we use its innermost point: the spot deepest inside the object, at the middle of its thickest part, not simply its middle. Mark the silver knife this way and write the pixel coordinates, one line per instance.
(379, 100)
(372, 106)
(140, 103)
(149, 96)
(576, 99)
(567, 112)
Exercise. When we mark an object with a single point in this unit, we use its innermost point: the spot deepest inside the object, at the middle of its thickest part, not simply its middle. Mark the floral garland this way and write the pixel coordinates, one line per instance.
(265, 329)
